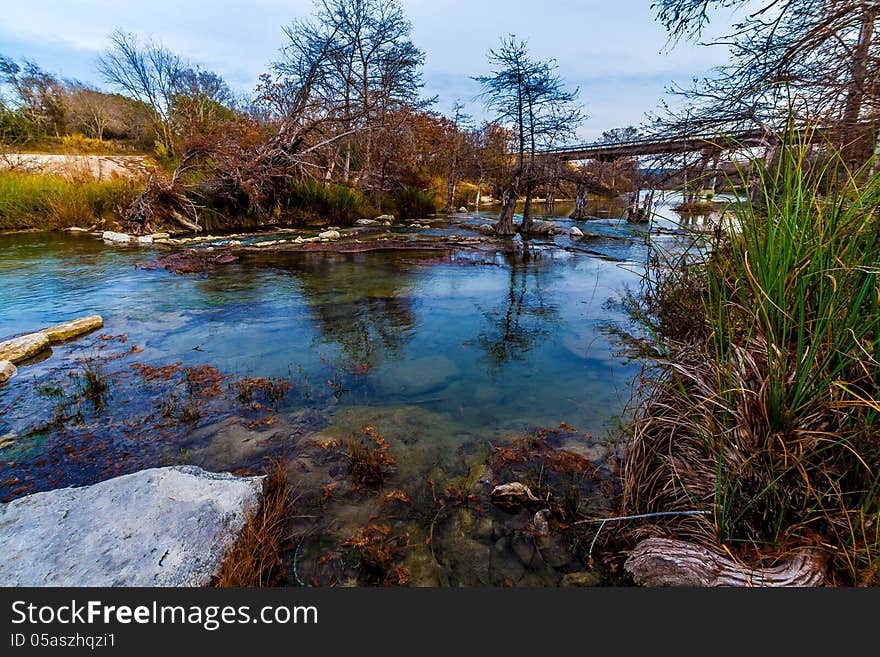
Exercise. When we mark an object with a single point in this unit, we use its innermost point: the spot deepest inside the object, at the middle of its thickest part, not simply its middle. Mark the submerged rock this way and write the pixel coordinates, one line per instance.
(159, 527)
(485, 229)
(421, 375)
(512, 494)
(73, 328)
(23, 347)
(524, 548)
(541, 522)
(111, 236)
(7, 371)
(582, 578)
(574, 231)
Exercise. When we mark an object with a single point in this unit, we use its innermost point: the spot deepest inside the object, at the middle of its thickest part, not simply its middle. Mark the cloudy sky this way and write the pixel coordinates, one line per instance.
(613, 51)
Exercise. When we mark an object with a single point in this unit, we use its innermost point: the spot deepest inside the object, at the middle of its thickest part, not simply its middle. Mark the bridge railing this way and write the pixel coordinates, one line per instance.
(665, 140)
(647, 141)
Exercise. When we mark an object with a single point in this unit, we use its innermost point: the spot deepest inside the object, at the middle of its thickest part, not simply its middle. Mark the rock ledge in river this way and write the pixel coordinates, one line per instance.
(158, 527)
(112, 236)
(23, 347)
(73, 328)
(7, 371)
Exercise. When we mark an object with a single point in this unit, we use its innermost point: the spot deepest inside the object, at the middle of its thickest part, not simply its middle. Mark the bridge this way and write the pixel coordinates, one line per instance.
(668, 145)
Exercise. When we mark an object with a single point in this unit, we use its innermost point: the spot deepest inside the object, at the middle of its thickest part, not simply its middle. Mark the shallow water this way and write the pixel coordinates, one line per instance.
(442, 359)
(490, 342)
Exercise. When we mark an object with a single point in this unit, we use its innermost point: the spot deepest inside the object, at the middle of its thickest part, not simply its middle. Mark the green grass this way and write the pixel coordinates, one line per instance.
(414, 203)
(313, 202)
(50, 201)
(764, 407)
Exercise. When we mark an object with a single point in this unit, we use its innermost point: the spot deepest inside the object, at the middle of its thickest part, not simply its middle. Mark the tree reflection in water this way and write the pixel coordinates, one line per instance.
(362, 302)
(526, 315)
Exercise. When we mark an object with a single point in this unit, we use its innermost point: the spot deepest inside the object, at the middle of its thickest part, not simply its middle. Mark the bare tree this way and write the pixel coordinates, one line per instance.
(36, 94)
(371, 73)
(817, 58)
(201, 99)
(146, 72)
(531, 99)
(455, 138)
(91, 110)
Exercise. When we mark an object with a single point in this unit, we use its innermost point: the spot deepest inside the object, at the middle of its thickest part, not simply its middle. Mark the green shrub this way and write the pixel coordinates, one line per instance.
(314, 202)
(415, 203)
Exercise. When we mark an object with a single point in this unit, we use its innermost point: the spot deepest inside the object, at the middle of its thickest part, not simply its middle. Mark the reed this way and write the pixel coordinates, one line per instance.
(46, 201)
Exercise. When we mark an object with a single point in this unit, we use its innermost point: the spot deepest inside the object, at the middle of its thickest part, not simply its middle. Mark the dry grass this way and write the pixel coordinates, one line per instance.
(256, 558)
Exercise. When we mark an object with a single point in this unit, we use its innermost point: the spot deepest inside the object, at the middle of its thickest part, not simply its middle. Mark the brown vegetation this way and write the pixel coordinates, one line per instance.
(255, 560)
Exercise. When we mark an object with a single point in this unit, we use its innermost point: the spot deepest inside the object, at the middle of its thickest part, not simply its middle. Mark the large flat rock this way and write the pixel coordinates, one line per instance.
(7, 371)
(23, 347)
(159, 527)
(73, 328)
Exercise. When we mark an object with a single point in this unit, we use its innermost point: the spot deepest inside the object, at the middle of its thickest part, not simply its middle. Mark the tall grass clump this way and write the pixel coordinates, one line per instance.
(415, 203)
(327, 204)
(256, 557)
(763, 405)
(29, 200)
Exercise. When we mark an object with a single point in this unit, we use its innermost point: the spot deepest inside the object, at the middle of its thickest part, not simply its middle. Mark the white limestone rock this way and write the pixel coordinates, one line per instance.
(159, 527)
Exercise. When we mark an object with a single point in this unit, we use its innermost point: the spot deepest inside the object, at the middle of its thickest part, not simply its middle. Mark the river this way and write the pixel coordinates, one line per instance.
(445, 356)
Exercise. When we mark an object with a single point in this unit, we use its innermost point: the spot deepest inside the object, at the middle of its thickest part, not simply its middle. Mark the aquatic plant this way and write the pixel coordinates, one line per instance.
(92, 383)
(377, 553)
(762, 405)
(256, 390)
(369, 464)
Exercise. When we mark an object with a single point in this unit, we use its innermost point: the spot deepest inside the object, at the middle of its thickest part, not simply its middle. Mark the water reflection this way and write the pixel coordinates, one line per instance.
(361, 303)
(525, 316)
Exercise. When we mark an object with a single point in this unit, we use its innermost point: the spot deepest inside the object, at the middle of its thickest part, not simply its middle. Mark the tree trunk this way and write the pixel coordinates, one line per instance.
(505, 226)
(451, 184)
(666, 562)
(526, 226)
(580, 203)
(346, 172)
(550, 201)
(855, 140)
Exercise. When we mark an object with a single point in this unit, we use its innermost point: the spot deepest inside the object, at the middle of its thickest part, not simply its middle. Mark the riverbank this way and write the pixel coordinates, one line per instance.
(757, 437)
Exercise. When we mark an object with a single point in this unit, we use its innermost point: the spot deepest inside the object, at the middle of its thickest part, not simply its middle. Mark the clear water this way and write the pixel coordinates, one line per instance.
(485, 343)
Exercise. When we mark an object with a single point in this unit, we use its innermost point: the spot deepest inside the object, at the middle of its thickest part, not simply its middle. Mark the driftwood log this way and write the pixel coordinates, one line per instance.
(666, 562)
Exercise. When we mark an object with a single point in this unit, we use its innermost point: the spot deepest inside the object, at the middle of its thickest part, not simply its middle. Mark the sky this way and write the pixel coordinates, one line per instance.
(613, 51)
